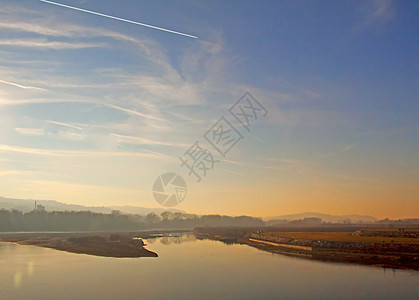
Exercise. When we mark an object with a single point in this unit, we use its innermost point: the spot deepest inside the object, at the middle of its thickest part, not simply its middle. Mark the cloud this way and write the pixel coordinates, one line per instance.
(120, 19)
(23, 86)
(56, 133)
(75, 153)
(12, 172)
(169, 87)
(64, 124)
(374, 12)
(339, 151)
(233, 162)
(301, 166)
(206, 57)
(30, 131)
(163, 84)
(45, 44)
(44, 25)
(381, 10)
(25, 101)
(242, 174)
(133, 112)
(71, 136)
(20, 172)
(144, 141)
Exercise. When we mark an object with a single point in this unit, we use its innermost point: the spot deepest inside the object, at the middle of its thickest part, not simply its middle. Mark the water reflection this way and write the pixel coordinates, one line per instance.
(19, 275)
(172, 239)
(189, 268)
(17, 279)
(13, 258)
(30, 268)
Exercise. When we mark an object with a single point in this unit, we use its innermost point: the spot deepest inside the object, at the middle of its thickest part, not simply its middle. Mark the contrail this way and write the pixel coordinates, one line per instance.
(22, 86)
(120, 19)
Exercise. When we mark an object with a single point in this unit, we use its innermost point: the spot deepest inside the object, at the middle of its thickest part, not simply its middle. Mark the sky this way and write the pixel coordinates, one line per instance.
(93, 110)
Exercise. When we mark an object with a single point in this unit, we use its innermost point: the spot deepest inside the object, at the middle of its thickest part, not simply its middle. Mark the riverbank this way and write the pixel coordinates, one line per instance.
(406, 261)
(384, 249)
(118, 245)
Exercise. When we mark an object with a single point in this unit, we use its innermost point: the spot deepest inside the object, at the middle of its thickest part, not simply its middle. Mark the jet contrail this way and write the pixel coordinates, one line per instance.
(22, 86)
(120, 19)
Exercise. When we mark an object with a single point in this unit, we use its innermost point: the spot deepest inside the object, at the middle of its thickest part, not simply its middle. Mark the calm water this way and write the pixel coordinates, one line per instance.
(191, 269)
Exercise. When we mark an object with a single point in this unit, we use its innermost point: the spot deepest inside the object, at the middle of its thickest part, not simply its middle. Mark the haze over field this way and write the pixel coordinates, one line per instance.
(25, 206)
(93, 110)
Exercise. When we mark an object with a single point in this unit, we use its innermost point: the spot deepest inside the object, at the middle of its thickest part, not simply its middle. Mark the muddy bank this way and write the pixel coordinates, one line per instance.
(108, 245)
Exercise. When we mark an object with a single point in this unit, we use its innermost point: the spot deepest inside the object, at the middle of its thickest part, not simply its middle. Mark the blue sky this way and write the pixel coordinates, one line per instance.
(93, 109)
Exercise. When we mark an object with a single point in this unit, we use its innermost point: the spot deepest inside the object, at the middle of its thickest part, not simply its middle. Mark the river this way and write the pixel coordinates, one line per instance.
(193, 269)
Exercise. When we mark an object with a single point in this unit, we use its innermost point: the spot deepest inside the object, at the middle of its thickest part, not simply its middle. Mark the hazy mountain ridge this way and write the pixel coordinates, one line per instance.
(324, 217)
(27, 205)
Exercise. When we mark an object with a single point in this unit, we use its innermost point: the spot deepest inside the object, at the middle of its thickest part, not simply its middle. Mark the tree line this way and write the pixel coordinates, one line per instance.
(14, 220)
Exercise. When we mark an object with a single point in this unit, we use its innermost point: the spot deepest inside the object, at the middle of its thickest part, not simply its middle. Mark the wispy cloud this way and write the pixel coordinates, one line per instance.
(145, 141)
(120, 19)
(242, 174)
(338, 151)
(45, 44)
(381, 10)
(277, 164)
(133, 112)
(46, 25)
(166, 84)
(37, 100)
(64, 124)
(11, 172)
(233, 162)
(23, 86)
(30, 131)
(75, 153)
(375, 12)
(170, 87)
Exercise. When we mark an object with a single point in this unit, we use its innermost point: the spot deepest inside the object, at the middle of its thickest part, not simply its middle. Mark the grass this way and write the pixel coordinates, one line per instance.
(394, 229)
(343, 237)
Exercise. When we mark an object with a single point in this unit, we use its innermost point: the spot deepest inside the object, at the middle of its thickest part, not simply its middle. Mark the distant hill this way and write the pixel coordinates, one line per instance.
(26, 205)
(325, 217)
